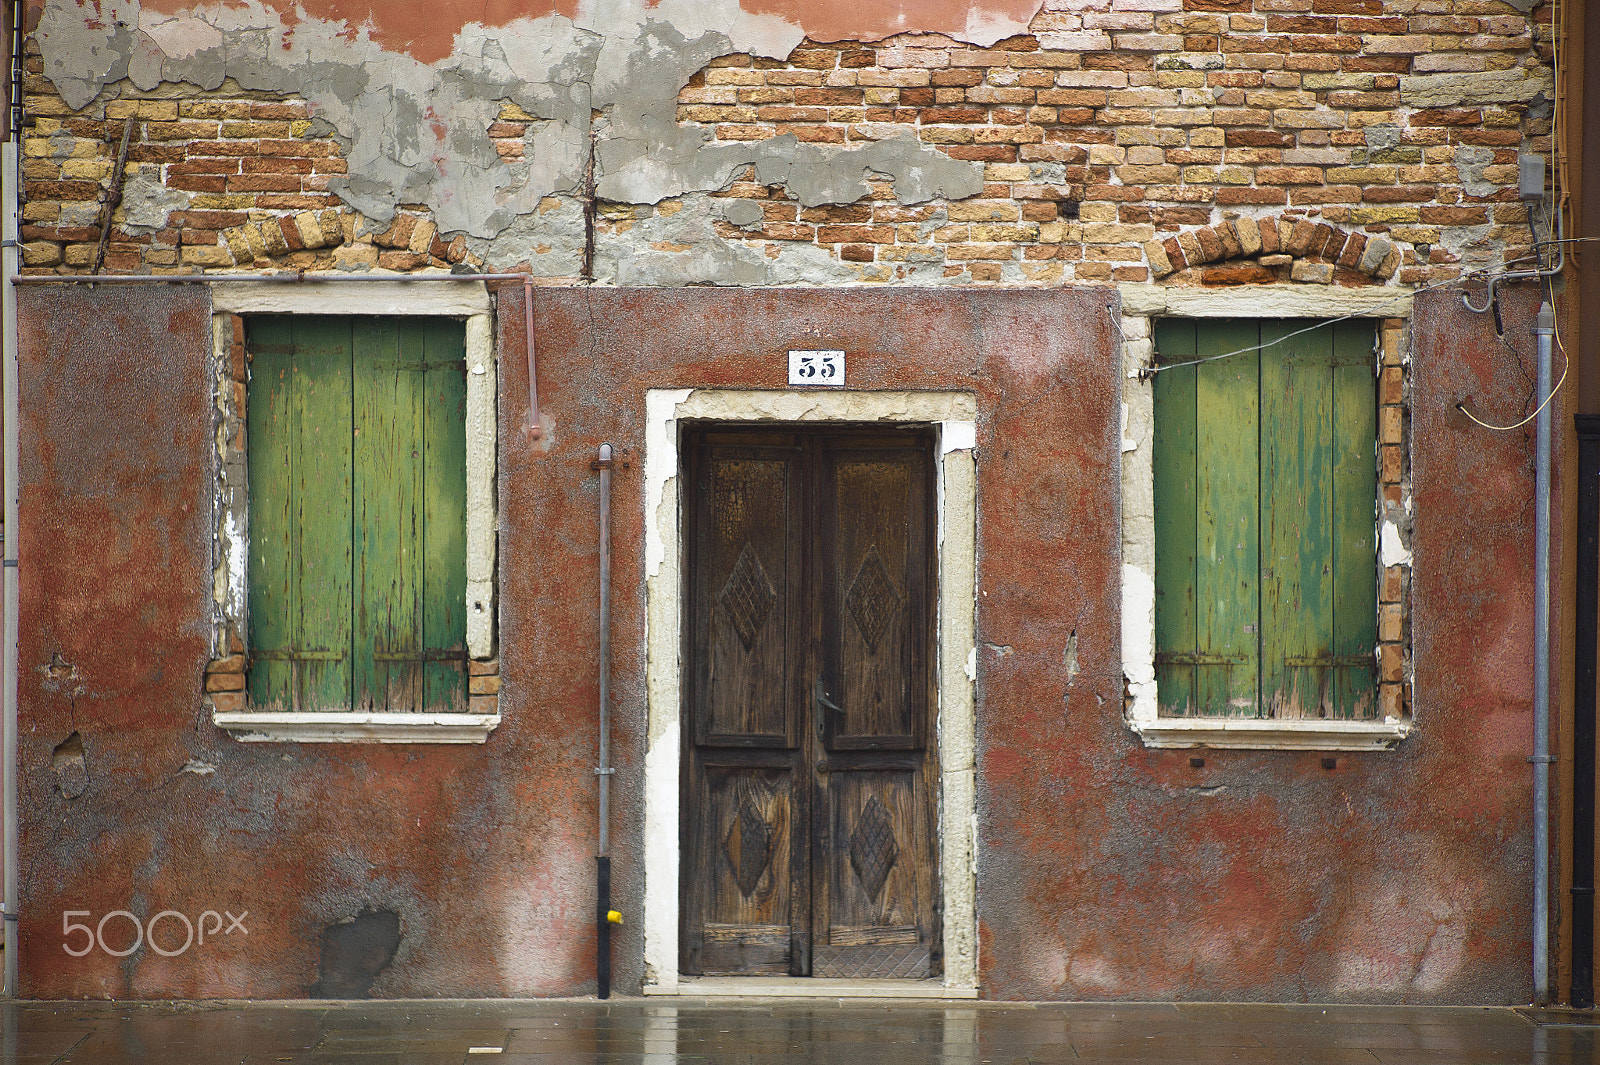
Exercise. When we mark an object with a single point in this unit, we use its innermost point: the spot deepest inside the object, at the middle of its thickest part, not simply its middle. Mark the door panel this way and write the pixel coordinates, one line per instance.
(747, 597)
(877, 882)
(809, 830)
(875, 587)
(745, 847)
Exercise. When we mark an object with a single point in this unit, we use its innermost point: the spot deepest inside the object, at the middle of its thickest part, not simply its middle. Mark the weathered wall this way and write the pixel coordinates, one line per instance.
(486, 877)
(1094, 140)
(1187, 142)
(1105, 870)
(1113, 871)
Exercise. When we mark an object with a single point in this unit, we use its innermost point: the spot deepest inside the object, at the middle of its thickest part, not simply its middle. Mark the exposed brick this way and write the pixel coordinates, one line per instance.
(1211, 248)
(1239, 196)
(225, 682)
(860, 234)
(227, 702)
(1240, 274)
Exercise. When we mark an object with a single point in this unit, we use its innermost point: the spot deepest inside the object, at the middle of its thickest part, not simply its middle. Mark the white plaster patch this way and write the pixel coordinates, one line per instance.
(660, 465)
(1138, 641)
(235, 561)
(661, 824)
(1128, 444)
(957, 436)
(984, 28)
(182, 36)
(1391, 552)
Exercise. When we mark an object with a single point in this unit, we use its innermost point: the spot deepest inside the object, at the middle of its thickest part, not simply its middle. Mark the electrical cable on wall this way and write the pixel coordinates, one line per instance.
(1144, 373)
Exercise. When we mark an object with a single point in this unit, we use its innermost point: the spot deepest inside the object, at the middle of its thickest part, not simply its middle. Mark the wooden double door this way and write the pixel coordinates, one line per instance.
(809, 841)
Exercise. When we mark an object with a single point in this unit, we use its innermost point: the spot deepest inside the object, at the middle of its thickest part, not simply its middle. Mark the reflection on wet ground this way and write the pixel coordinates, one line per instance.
(649, 1032)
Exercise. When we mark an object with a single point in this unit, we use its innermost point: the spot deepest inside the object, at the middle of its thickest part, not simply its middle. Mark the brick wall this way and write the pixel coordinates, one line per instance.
(1121, 145)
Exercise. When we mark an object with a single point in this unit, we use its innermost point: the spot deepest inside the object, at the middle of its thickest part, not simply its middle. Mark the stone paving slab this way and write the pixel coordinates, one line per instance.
(630, 1031)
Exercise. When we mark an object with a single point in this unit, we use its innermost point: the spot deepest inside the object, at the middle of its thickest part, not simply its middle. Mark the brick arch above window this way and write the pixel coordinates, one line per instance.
(1258, 248)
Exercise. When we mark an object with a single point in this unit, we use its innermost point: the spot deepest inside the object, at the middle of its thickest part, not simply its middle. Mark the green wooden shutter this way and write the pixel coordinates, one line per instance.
(1214, 662)
(1265, 488)
(357, 559)
(1318, 500)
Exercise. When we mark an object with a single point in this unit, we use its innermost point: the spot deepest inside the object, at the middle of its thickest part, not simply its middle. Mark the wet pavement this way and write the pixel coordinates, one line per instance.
(770, 1032)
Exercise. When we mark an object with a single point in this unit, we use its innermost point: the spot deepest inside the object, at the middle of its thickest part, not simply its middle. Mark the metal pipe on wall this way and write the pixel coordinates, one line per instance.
(604, 916)
(1544, 329)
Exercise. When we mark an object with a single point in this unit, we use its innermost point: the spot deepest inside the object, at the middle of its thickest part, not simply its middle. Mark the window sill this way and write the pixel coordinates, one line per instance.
(283, 727)
(1267, 735)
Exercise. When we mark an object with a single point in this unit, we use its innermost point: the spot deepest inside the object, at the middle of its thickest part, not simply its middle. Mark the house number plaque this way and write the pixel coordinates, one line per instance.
(816, 367)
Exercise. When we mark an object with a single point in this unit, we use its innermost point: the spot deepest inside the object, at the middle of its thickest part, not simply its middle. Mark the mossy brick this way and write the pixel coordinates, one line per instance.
(984, 211)
(1363, 175)
(255, 129)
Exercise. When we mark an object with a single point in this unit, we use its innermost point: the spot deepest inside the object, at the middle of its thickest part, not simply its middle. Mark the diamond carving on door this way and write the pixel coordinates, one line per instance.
(748, 597)
(748, 847)
(809, 835)
(872, 599)
(872, 847)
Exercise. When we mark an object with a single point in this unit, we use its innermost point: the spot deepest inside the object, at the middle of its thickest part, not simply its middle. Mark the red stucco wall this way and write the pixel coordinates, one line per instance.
(1105, 870)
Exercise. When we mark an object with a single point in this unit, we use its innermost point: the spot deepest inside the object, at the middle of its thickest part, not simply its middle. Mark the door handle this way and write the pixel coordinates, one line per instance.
(821, 698)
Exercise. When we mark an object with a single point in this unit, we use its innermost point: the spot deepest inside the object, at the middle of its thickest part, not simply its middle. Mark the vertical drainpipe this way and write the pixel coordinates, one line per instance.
(605, 916)
(1544, 330)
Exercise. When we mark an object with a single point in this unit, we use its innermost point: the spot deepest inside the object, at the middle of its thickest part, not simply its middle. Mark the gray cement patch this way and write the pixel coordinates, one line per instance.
(418, 132)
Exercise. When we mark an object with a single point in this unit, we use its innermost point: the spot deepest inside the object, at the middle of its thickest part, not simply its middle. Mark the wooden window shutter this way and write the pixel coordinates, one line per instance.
(1265, 488)
(357, 462)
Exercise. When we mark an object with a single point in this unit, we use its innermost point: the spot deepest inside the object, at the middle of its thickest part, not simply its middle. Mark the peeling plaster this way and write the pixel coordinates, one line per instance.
(417, 132)
(1391, 552)
(147, 203)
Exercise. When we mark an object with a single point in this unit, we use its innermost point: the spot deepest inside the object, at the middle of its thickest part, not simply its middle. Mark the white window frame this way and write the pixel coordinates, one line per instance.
(465, 301)
(1141, 305)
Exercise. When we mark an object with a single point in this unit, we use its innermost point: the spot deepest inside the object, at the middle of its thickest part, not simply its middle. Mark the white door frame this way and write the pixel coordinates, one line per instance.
(955, 416)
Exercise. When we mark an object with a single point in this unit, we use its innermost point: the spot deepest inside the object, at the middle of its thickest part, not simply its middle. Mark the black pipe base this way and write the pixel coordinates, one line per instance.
(602, 926)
